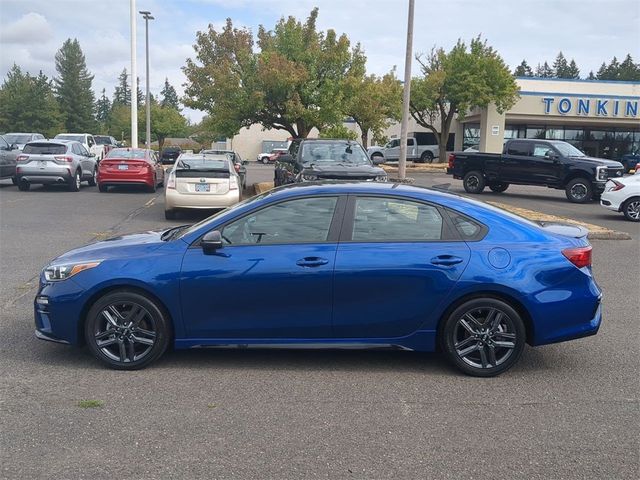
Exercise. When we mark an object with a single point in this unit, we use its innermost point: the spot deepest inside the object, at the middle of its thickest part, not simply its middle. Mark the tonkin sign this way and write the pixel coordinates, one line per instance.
(601, 107)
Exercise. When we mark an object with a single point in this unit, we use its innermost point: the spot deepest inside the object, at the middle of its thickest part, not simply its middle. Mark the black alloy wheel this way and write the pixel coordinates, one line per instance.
(426, 157)
(473, 182)
(126, 330)
(93, 181)
(631, 209)
(483, 337)
(498, 187)
(579, 190)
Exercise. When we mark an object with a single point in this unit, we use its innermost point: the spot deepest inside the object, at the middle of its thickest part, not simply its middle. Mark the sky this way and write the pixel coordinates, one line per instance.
(590, 31)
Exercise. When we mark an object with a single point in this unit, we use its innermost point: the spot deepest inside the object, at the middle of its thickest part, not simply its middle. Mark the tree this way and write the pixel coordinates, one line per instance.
(27, 103)
(73, 88)
(373, 102)
(338, 131)
(591, 76)
(560, 66)
(141, 97)
(455, 82)
(573, 71)
(122, 93)
(523, 70)
(294, 82)
(544, 71)
(103, 110)
(169, 96)
(166, 122)
(628, 70)
(119, 125)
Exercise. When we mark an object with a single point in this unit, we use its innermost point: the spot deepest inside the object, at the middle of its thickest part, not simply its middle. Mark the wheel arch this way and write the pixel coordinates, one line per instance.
(577, 174)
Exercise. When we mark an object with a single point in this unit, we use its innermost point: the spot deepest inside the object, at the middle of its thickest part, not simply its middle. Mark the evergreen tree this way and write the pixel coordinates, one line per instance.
(591, 76)
(73, 88)
(523, 70)
(573, 71)
(103, 111)
(122, 93)
(141, 97)
(629, 71)
(544, 71)
(560, 66)
(169, 96)
(602, 72)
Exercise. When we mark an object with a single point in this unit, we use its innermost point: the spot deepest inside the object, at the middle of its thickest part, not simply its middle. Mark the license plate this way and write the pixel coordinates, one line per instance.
(123, 167)
(202, 187)
(42, 163)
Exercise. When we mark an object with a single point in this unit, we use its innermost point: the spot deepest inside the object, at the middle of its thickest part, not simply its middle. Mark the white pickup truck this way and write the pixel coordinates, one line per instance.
(415, 152)
(87, 140)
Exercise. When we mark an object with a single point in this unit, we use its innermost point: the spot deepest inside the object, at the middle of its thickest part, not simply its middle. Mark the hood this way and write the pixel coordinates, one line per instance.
(600, 161)
(343, 171)
(136, 244)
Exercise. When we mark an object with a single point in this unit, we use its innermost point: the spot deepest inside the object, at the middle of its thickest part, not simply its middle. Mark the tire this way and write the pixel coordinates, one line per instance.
(498, 187)
(126, 330)
(24, 186)
(579, 190)
(631, 209)
(426, 157)
(103, 188)
(93, 181)
(625, 167)
(492, 321)
(14, 180)
(154, 185)
(265, 160)
(473, 182)
(74, 182)
(170, 214)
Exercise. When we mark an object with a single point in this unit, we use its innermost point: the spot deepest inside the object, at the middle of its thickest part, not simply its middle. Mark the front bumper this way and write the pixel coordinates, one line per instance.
(59, 319)
(173, 199)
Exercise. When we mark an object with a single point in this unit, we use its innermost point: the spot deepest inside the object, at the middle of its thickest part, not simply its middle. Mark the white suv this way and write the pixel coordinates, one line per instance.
(87, 140)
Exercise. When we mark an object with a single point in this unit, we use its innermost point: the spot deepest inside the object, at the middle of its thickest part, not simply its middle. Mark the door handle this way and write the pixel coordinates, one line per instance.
(446, 260)
(312, 262)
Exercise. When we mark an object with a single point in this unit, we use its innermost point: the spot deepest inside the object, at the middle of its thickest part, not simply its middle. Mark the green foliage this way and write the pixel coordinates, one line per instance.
(627, 70)
(564, 69)
(73, 88)
(457, 81)
(169, 96)
(90, 403)
(119, 125)
(27, 104)
(294, 82)
(166, 122)
(338, 131)
(523, 70)
(122, 93)
(103, 111)
(544, 71)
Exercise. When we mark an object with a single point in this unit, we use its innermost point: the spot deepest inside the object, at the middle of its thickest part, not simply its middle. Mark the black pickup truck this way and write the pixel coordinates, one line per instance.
(548, 163)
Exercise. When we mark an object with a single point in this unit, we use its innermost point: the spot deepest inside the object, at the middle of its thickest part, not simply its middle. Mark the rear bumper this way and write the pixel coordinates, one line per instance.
(173, 199)
(44, 178)
(120, 179)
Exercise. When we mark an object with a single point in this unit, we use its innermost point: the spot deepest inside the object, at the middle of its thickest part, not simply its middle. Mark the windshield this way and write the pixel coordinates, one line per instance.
(202, 163)
(568, 150)
(317, 153)
(75, 138)
(101, 140)
(126, 153)
(17, 138)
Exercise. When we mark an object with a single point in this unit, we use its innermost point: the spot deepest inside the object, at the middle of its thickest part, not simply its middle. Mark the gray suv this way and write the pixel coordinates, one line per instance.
(49, 162)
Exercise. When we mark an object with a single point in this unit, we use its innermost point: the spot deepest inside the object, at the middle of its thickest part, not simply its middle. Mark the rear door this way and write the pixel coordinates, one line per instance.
(516, 163)
(398, 259)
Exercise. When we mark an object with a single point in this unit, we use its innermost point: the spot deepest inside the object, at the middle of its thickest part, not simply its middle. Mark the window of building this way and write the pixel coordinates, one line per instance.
(554, 133)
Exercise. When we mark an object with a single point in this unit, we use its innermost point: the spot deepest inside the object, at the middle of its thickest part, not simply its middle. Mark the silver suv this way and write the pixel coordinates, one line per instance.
(48, 162)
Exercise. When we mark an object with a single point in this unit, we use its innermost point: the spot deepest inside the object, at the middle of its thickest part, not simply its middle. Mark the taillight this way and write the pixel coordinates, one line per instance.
(171, 183)
(233, 183)
(619, 186)
(579, 256)
(452, 159)
(63, 158)
(237, 167)
(22, 158)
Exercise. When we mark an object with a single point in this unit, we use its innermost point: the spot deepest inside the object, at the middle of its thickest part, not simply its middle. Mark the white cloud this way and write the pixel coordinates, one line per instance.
(31, 28)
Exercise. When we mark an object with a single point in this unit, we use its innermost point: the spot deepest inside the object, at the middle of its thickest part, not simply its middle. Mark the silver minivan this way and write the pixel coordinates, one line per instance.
(60, 162)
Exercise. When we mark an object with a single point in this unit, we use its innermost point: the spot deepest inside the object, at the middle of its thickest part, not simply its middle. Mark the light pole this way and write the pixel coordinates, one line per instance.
(134, 80)
(402, 161)
(147, 16)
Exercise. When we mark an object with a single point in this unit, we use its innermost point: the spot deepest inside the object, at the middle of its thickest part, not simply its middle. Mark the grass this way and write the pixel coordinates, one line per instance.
(90, 403)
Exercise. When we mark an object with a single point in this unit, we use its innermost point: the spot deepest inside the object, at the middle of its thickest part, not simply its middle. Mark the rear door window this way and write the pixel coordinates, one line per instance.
(518, 148)
(45, 149)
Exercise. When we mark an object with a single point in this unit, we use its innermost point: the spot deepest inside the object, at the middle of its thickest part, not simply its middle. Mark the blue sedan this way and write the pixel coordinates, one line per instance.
(349, 265)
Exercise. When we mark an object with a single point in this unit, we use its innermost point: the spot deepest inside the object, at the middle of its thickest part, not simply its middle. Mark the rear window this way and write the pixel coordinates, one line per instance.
(102, 140)
(126, 153)
(200, 163)
(75, 138)
(45, 148)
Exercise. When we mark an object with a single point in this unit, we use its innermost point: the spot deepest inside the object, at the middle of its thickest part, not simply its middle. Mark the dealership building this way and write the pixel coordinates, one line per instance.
(601, 118)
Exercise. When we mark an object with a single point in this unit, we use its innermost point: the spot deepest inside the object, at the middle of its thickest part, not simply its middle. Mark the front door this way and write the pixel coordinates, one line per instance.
(272, 279)
(397, 264)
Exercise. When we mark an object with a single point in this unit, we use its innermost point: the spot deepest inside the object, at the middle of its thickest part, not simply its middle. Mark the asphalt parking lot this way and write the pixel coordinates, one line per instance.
(564, 411)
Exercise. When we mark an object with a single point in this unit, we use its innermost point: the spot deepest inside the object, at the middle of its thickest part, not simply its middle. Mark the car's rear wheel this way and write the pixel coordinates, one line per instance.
(265, 160)
(498, 187)
(74, 182)
(426, 157)
(483, 337)
(154, 185)
(24, 186)
(631, 209)
(126, 330)
(473, 182)
(170, 214)
(14, 180)
(579, 190)
(93, 181)
(103, 188)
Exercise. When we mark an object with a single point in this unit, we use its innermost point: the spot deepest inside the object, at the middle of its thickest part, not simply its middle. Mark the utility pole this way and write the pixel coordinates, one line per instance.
(134, 78)
(147, 16)
(406, 96)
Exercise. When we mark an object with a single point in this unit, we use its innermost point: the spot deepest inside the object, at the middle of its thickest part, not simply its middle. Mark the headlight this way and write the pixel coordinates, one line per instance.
(601, 173)
(381, 178)
(309, 177)
(56, 273)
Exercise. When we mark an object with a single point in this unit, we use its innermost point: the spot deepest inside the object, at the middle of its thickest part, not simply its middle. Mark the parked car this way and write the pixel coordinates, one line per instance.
(19, 140)
(415, 151)
(107, 141)
(130, 166)
(324, 159)
(87, 140)
(170, 154)
(8, 155)
(547, 163)
(623, 195)
(49, 162)
(272, 156)
(201, 181)
(238, 163)
(630, 161)
(459, 275)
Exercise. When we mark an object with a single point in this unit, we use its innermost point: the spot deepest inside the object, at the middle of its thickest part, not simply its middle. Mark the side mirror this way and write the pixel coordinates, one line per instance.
(550, 155)
(92, 155)
(286, 158)
(211, 242)
(377, 160)
(245, 162)
(13, 146)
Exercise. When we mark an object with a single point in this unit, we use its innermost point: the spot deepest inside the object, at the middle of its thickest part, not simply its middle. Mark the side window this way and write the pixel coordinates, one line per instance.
(75, 148)
(518, 148)
(394, 143)
(90, 141)
(542, 149)
(390, 219)
(3, 144)
(305, 220)
(467, 228)
(83, 150)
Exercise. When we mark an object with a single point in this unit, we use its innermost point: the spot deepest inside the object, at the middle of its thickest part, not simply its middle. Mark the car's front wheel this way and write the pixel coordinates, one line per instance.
(631, 209)
(265, 160)
(579, 190)
(483, 337)
(126, 330)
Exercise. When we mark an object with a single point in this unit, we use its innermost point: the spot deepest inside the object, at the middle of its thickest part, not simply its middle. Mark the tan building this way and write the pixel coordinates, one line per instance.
(602, 118)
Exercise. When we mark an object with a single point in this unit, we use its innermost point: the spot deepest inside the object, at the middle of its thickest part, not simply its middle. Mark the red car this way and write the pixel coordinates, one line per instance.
(130, 166)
